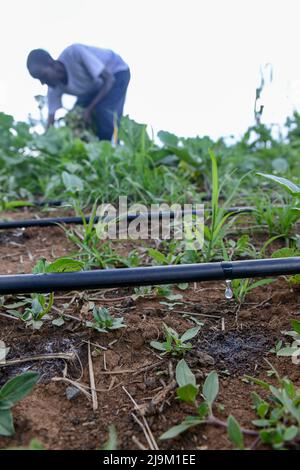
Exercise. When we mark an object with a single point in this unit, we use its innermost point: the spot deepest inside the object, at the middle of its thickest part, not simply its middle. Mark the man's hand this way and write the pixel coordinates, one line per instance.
(108, 81)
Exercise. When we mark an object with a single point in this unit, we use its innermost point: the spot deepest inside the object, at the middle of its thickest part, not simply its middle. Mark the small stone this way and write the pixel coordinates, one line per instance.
(112, 358)
(72, 392)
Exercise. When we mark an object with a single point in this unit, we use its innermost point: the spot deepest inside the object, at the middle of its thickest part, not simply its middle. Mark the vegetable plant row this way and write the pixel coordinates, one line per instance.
(144, 355)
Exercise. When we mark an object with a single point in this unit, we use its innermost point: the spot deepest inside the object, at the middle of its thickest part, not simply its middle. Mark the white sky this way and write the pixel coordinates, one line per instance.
(194, 63)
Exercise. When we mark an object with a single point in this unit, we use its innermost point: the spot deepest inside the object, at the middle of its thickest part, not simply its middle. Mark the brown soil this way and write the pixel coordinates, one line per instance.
(234, 341)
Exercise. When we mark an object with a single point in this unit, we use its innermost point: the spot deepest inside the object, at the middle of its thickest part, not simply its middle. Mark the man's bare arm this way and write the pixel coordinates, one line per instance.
(109, 80)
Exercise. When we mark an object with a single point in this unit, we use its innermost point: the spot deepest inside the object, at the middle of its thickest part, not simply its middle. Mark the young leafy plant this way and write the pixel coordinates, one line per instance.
(293, 349)
(175, 344)
(94, 251)
(188, 391)
(278, 414)
(242, 287)
(41, 305)
(103, 321)
(219, 223)
(11, 393)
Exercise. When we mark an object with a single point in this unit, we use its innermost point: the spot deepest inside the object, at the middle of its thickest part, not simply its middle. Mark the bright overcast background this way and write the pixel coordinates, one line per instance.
(195, 63)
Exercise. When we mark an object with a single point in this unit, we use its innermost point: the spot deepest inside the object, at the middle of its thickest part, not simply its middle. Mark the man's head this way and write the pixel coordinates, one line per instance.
(42, 66)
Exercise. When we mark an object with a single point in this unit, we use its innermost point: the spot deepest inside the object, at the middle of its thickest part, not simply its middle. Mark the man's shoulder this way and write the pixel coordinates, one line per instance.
(71, 50)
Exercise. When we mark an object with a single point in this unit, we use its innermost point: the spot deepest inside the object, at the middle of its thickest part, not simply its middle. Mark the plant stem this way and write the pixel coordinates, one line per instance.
(218, 422)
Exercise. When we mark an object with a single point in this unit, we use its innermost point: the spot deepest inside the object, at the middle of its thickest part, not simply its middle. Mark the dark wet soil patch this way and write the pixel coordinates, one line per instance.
(237, 352)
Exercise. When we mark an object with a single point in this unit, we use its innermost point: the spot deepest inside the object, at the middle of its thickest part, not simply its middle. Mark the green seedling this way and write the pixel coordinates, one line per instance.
(41, 304)
(104, 322)
(215, 232)
(165, 291)
(293, 349)
(280, 215)
(11, 205)
(242, 287)
(11, 393)
(288, 252)
(94, 251)
(290, 213)
(188, 392)
(171, 253)
(278, 413)
(175, 344)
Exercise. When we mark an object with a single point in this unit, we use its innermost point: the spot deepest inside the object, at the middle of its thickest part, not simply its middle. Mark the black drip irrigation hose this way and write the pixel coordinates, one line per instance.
(47, 222)
(56, 203)
(52, 203)
(50, 221)
(129, 277)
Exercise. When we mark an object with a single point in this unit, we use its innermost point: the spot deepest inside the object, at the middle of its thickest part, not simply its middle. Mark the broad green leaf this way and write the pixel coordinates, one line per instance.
(284, 253)
(58, 321)
(289, 387)
(288, 351)
(296, 325)
(158, 345)
(234, 432)
(211, 387)
(266, 435)
(6, 423)
(290, 433)
(191, 333)
(203, 410)
(184, 375)
(157, 256)
(256, 399)
(63, 265)
(171, 332)
(262, 409)
(167, 138)
(173, 297)
(187, 393)
(261, 423)
(36, 324)
(183, 285)
(72, 182)
(16, 389)
(284, 399)
(188, 423)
